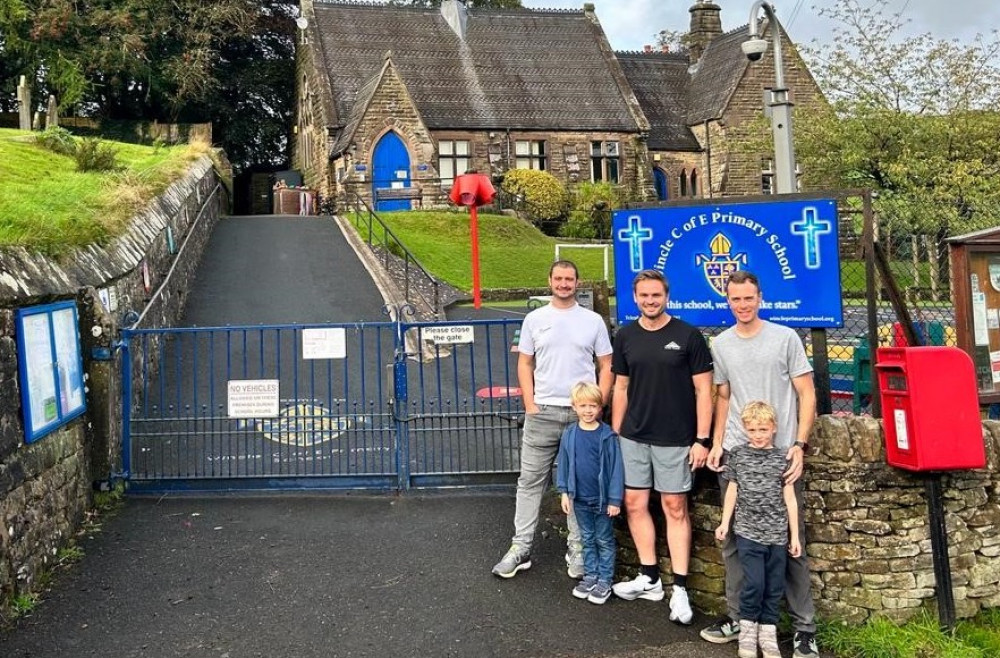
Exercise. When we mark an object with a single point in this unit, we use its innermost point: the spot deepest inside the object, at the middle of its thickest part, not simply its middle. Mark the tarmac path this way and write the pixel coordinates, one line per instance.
(330, 576)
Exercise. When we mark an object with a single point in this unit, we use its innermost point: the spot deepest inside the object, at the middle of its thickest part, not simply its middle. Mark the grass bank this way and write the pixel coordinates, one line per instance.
(512, 253)
(47, 206)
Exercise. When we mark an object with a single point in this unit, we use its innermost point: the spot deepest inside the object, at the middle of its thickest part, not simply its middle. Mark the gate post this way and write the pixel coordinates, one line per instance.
(126, 356)
(400, 412)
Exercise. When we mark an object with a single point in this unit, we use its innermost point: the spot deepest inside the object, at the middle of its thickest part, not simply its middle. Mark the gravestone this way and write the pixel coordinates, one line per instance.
(24, 104)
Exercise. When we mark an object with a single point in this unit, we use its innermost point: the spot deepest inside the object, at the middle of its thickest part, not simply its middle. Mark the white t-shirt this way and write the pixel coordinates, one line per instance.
(564, 343)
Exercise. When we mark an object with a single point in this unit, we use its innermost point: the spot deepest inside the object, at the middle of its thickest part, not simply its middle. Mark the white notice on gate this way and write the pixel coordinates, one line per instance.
(253, 398)
(324, 343)
(462, 333)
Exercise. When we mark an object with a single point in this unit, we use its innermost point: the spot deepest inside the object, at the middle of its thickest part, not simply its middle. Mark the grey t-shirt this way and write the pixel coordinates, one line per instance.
(564, 343)
(760, 368)
(761, 514)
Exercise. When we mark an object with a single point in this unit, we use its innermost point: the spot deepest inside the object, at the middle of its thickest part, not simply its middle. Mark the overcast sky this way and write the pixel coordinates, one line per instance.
(630, 24)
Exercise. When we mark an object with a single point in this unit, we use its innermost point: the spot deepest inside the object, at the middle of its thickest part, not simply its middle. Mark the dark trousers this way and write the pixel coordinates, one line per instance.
(763, 580)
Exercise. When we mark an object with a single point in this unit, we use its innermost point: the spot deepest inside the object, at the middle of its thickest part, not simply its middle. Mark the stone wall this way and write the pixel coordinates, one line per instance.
(45, 486)
(867, 530)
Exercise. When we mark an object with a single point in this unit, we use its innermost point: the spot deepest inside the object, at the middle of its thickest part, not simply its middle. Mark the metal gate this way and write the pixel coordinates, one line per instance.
(372, 405)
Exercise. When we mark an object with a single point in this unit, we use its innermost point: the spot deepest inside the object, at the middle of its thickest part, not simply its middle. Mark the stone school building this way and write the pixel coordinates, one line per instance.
(394, 102)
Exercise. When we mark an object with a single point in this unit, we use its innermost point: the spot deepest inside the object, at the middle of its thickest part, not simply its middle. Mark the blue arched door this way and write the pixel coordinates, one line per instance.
(660, 183)
(390, 170)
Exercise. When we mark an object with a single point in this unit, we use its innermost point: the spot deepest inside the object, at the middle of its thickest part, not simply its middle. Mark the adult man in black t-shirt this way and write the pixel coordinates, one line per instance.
(662, 410)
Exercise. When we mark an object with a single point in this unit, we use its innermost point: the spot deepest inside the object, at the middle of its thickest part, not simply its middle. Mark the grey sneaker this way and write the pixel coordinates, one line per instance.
(600, 593)
(805, 645)
(584, 587)
(574, 563)
(723, 631)
(515, 560)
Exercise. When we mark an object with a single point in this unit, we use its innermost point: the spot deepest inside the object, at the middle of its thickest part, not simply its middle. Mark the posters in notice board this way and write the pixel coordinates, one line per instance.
(50, 367)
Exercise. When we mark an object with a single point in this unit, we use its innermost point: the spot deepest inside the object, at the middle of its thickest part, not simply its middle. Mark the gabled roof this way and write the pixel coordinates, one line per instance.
(717, 75)
(517, 68)
(660, 82)
(361, 102)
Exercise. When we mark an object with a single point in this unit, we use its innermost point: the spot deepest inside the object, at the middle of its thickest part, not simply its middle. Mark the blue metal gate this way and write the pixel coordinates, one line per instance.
(374, 405)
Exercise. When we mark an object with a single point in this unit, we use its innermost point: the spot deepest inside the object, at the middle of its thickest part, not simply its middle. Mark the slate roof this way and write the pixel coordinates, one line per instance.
(661, 84)
(719, 71)
(518, 69)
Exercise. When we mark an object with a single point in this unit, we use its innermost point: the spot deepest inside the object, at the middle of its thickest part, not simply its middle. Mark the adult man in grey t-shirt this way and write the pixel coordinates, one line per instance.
(759, 360)
(559, 345)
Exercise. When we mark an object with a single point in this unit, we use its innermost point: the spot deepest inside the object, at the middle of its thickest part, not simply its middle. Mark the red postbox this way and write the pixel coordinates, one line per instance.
(930, 407)
(473, 190)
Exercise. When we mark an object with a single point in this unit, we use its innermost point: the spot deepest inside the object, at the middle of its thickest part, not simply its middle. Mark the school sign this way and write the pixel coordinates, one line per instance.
(791, 245)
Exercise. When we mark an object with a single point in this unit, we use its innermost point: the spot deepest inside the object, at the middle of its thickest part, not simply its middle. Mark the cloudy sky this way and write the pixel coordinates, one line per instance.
(630, 24)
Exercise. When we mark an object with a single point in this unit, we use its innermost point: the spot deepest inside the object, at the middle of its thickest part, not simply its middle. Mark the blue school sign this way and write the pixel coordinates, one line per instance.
(791, 246)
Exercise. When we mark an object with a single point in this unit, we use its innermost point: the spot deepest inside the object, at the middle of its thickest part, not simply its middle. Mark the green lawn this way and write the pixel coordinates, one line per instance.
(512, 253)
(48, 206)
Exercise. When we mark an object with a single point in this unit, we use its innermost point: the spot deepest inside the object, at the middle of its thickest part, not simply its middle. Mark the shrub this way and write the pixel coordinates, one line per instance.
(579, 225)
(539, 195)
(93, 155)
(58, 140)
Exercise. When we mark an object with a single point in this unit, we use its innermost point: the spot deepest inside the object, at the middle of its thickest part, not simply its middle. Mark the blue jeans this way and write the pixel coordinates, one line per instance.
(598, 537)
(763, 580)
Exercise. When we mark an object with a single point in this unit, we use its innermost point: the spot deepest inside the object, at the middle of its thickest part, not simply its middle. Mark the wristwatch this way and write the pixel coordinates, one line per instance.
(704, 441)
(803, 445)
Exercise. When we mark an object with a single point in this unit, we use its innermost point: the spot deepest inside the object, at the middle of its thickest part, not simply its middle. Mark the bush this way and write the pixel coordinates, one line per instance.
(93, 155)
(58, 140)
(579, 225)
(539, 195)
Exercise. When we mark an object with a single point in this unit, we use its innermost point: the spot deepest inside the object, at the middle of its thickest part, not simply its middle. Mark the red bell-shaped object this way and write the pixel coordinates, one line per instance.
(472, 190)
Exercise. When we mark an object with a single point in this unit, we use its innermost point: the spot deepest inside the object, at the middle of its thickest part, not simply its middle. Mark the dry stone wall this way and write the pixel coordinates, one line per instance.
(867, 530)
(45, 486)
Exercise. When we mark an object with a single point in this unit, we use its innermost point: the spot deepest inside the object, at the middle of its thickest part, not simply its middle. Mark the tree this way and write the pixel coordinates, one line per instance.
(230, 62)
(914, 118)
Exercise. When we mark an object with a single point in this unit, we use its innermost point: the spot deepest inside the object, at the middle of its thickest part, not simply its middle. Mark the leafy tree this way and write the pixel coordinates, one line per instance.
(227, 61)
(914, 117)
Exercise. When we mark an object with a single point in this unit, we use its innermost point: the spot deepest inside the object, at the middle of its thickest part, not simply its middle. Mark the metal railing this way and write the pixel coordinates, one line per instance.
(420, 288)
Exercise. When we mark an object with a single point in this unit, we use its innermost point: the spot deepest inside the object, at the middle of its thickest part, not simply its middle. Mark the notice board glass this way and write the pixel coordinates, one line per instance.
(50, 367)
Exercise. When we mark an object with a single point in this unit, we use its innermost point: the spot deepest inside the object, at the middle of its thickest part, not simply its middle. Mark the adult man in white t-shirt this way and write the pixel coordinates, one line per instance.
(559, 345)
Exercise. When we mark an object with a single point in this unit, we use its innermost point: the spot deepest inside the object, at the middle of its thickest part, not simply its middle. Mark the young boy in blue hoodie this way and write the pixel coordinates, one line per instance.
(591, 477)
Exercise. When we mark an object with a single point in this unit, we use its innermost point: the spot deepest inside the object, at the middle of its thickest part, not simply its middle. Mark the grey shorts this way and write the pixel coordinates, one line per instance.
(664, 468)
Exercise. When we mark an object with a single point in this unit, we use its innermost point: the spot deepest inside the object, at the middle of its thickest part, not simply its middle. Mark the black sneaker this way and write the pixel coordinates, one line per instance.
(721, 632)
(805, 645)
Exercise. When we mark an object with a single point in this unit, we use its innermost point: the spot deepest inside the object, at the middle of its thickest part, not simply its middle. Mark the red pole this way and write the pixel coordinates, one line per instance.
(474, 226)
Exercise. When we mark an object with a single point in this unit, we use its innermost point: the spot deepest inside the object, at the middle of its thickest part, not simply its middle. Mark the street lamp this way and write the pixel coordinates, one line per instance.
(781, 108)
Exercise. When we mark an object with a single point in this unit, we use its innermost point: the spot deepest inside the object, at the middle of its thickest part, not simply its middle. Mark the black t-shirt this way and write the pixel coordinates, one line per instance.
(660, 365)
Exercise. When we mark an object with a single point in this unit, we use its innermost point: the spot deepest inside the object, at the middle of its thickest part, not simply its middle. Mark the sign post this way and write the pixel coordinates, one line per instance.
(473, 189)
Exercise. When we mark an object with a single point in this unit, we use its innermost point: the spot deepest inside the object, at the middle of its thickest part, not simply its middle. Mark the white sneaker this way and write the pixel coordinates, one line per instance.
(641, 587)
(680, 607)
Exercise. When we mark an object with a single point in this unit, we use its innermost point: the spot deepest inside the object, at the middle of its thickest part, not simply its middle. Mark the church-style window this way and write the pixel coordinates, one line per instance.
(453, 159)
(766, 176)
(605, 162)
(694, 182)
(683, 180)
(530, 154)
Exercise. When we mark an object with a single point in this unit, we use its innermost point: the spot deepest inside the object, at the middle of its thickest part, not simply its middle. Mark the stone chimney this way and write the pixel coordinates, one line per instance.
(706, 24)
(454, 12)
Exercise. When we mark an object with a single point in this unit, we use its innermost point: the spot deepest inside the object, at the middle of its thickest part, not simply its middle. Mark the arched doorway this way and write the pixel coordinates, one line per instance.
(390, 170)
(660, 183)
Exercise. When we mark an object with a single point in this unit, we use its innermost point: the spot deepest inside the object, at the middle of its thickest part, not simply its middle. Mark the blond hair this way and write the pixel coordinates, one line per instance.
(758, 411)
(586, 392)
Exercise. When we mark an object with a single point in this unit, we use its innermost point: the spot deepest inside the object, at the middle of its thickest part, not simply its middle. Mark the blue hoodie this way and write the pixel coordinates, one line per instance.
(611, 473)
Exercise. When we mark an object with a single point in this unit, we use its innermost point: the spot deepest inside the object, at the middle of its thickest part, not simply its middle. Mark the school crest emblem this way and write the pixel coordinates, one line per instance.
(721, 263)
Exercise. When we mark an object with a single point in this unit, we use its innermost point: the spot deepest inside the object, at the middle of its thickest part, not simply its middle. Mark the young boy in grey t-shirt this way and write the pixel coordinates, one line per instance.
(766, 513)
